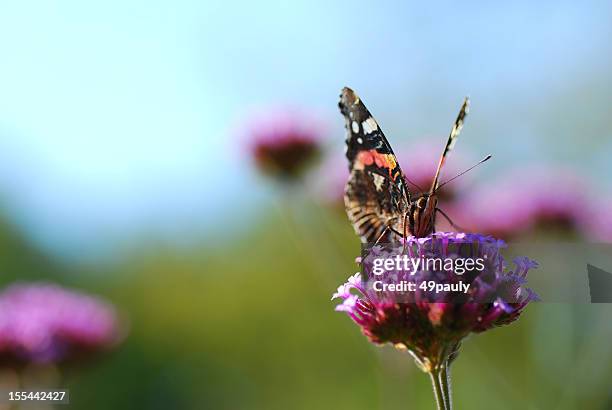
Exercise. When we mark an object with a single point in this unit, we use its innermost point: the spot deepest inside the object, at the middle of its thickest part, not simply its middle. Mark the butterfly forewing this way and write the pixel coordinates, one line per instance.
(452, 139)
(376, 196)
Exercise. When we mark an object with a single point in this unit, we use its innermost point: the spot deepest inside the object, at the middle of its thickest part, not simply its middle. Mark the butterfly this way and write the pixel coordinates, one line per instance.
(377, 199)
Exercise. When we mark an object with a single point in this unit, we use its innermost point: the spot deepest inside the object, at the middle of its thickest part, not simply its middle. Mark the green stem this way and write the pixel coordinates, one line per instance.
(445, 383)
(434, 375)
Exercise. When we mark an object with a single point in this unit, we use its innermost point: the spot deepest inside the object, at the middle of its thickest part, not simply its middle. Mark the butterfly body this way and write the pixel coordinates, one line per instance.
(377, 199)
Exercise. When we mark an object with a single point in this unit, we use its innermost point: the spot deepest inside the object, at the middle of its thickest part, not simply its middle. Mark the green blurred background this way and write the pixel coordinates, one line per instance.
(125, 172)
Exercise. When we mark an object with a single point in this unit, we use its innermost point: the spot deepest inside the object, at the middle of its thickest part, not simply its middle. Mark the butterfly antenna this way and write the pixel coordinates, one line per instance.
(414, 184)
(485, 159)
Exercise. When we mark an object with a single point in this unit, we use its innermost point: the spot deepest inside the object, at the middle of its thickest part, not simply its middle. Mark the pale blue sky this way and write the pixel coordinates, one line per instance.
(119, 118)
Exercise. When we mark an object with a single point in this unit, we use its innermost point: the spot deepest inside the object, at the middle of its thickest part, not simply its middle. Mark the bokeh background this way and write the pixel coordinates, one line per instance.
(129, 168)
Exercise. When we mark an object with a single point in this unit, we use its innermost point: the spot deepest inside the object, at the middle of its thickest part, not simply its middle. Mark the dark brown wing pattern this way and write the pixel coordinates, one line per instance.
(376, 196)
(377, 200)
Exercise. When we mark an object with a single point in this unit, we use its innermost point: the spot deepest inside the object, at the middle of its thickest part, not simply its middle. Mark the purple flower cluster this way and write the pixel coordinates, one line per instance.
(284, 143)
(432, 325)
(44, 323)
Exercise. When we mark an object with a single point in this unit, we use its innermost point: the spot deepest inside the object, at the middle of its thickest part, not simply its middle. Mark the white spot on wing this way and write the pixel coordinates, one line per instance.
(378, 181)
(369, 125)
(355, 127)
(359, 140)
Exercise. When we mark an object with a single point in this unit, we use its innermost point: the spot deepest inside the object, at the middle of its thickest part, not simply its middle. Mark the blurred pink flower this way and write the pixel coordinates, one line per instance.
(527, 199)
(419, 163)
(596, 223)
(43, 323)
(284, 143)
(330, 178)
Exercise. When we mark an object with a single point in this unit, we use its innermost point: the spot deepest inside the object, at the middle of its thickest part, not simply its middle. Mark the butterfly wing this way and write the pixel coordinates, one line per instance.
(452, 139)
(423, 214)
(376, 196)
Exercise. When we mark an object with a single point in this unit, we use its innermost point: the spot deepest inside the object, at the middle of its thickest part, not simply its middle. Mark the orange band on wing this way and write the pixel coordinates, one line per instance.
(373, 157)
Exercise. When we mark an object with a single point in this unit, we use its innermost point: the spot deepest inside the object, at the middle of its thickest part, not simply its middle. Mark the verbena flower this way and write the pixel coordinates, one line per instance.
(45, 323)
(284, 143)
(526, 200)
(431, 325)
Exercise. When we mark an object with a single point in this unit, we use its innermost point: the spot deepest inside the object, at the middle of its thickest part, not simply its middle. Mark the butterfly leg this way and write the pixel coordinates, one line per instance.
(405, 233)
(450, 221)
(388, 227)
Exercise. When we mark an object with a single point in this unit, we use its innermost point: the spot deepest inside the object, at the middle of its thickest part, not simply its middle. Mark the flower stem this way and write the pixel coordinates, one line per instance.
(434, 375)
(445, 384)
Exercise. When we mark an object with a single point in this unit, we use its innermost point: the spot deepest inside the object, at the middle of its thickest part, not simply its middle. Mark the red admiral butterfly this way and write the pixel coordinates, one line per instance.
(377, 199)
